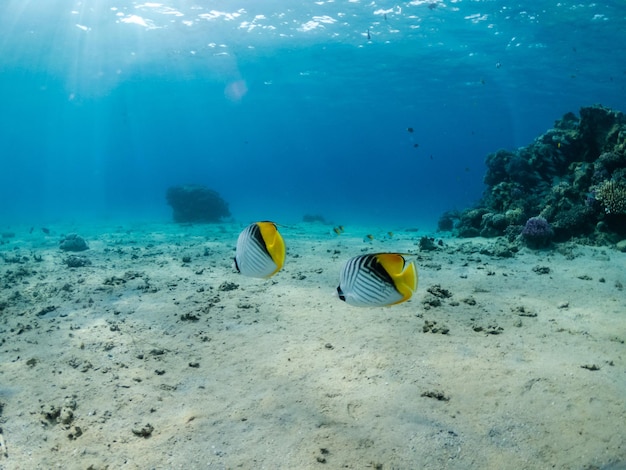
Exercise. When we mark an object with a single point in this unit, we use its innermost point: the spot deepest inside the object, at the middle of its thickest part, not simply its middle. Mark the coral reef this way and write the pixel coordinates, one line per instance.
(571, 179)
(196, 204)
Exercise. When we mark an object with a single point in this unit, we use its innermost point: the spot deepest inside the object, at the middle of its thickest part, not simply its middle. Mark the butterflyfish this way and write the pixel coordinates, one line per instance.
(260, 250)
(377, 280)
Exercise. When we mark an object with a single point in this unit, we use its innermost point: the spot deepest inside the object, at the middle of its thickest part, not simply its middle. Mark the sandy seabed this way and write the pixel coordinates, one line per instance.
(159, 355)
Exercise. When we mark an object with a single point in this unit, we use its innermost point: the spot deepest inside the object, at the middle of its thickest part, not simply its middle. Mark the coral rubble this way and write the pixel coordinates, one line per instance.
(196, 203)
(569, 183)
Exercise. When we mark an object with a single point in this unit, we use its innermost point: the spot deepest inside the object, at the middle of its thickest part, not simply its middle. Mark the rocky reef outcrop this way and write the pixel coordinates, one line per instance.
(569, 183)
(73, 242)
(196, 204)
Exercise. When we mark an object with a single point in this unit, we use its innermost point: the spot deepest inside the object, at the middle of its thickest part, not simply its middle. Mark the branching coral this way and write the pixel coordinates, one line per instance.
(612, 195)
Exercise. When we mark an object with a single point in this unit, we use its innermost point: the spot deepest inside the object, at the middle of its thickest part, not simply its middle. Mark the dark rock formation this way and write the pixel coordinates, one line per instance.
(446, 221)
(573, 177)
(72, 242)
(314, 218)
(427, 244)
(196, 203)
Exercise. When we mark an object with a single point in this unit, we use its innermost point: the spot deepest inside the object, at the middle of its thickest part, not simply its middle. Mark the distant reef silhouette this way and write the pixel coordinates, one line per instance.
(193, 203)
(569, 184)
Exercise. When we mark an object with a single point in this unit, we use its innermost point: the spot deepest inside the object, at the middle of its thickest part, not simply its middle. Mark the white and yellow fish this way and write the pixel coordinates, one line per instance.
(377, 280)
(260, 250)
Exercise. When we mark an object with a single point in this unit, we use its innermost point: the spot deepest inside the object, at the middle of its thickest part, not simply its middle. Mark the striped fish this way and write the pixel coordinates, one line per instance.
(377, 280)
(260, 250)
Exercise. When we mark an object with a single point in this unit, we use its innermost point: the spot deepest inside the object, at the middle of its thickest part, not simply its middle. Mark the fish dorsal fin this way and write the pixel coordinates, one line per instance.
(403, 274)
(274, 243)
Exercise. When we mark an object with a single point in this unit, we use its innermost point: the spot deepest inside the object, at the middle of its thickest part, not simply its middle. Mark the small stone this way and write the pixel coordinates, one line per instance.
(436, 394)
(74, 261)
(563, 305)
(621, 245)
(227, 286)
(76, 433)
(523, 312)
(439, 291)
(469, 301)
(51, 413)
(66, 416)
(144, 431)
(431, 301)
(541, 269)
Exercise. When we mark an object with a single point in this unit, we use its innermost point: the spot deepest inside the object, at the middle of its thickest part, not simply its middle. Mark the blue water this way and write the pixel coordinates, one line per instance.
(286, 108)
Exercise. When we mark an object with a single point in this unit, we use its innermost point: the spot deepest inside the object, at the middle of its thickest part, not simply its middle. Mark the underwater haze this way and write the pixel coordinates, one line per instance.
(360, 111)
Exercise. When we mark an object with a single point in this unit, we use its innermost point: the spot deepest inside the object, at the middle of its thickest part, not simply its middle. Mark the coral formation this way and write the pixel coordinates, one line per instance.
(573, 177)
(446, 221)
(72, 242)
(537, 232)
(196, 203)
(612, 196)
